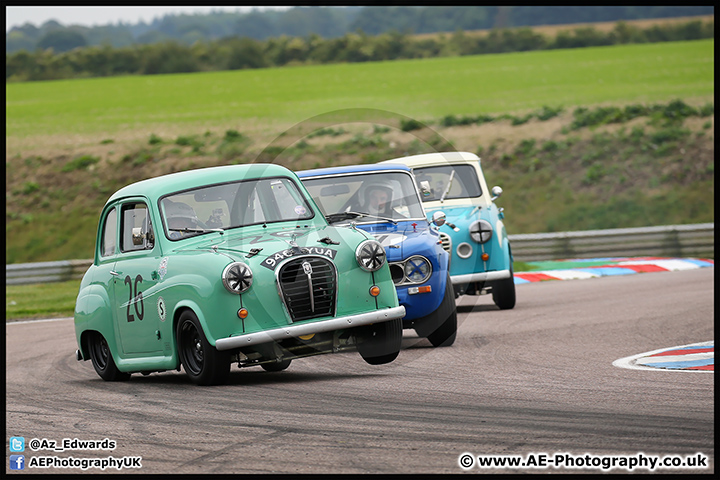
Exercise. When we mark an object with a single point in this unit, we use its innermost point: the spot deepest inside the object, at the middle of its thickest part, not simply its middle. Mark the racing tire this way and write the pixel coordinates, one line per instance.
(379, 343)
(446, 332)
(102, 360)
(277, 366)
(203, 363)
(503, 292)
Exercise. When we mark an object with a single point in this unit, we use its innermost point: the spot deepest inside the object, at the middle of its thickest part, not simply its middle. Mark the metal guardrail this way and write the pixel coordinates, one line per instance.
(665, 241)
(45, 272)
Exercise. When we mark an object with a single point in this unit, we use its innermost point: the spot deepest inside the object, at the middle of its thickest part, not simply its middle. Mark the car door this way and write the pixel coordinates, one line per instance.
(135, 275)
(102, 275)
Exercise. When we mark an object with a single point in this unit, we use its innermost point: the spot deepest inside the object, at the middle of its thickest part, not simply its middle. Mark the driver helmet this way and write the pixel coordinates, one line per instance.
(369, 189)
(180, 215)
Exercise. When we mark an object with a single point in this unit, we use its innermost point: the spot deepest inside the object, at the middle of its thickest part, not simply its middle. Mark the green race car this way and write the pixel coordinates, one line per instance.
(232, 264)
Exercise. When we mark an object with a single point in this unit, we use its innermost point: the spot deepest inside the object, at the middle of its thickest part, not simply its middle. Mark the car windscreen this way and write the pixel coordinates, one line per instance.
(436, 181)
(233, 204)
(376, 195)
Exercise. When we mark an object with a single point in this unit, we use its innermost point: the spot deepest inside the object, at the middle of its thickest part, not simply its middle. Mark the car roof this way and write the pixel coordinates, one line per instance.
(173, 182)
(351, 169)
(437, 158)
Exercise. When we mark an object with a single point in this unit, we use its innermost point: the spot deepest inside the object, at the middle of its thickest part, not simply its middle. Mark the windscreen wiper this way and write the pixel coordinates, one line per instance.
(447, 189)
(197, 230)
(336, 217)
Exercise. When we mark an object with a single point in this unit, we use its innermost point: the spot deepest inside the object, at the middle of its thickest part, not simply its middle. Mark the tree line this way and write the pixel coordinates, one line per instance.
(233, 53)
(327, 22)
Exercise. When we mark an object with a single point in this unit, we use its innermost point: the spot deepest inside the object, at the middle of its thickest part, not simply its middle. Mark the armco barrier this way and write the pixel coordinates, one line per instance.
(44, 272)
(665, 241)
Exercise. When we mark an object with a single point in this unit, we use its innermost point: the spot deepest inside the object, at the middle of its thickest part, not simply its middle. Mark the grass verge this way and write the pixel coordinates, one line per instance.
(41, 300)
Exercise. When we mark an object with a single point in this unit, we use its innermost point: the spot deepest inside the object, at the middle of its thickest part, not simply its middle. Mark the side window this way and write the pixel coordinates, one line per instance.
(135, 227)
(109, 234)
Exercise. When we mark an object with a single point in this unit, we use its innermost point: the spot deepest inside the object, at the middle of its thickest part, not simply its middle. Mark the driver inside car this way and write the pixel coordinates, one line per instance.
(377, 201)
(179, 216)
(378, 197)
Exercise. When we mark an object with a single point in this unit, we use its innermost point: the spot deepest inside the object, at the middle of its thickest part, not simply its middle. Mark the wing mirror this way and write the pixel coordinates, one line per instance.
(438, 219)
(496, 192)
(138, 237)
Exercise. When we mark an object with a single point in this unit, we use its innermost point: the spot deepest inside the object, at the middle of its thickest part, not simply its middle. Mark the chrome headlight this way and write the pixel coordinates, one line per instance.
(237, 277)
(370, 255)
(417, 269)
(481, 231)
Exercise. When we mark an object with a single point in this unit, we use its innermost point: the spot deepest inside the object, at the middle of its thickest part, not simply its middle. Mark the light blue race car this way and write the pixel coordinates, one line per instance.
(384, 201)
(474, 233)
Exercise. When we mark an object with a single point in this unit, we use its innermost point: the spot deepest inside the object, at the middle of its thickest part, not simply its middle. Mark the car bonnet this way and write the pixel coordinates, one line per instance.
(401, 240)
(273, 241)
(462, 213)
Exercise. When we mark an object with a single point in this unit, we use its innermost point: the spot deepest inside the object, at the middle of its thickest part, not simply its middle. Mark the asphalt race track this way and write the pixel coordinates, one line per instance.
(536, 380)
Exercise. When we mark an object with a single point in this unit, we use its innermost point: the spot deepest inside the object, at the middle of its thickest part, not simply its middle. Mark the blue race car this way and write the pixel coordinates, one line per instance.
(384, 201)
(474, 232)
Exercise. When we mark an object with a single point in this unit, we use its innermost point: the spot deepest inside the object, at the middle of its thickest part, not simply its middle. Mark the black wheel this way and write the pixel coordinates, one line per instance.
(102, 360)
(203, 363)
(379, 343)
(446, 316)
(503, 292)
(277, 366)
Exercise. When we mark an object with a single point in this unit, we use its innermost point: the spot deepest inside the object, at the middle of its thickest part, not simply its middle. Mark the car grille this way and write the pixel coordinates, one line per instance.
(308, 286)
(446, 242)
(397, 272)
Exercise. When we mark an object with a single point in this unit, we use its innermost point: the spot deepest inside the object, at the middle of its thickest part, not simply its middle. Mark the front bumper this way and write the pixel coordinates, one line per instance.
(479, 277)
(290, 331)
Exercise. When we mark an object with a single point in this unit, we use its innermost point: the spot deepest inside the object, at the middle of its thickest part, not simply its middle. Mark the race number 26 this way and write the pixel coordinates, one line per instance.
(135, 299)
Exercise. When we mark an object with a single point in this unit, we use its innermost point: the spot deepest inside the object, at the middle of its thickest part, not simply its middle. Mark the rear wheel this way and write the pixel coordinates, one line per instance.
(503, 292)
(102, 360)
(277, 366)
(203, 363)
(379, 343)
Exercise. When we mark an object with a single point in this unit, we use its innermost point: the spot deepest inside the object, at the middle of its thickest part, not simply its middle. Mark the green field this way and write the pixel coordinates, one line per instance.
(70, 144)
(39, 301)
(421, 89)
